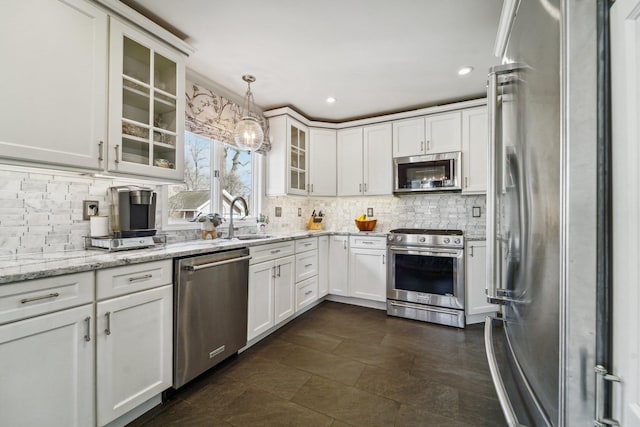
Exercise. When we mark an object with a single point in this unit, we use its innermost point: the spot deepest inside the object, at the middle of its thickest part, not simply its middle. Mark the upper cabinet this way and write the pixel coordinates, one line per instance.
(54, 83)
(364, 161)
(474, 150)
(146, 105)
(437, 133)
(322, 162)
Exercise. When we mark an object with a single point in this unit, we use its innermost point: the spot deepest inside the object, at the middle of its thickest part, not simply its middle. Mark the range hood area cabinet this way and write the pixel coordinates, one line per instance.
(54, 83)
(437, 133)
(302, 160)
(364, 161)
(59, 103)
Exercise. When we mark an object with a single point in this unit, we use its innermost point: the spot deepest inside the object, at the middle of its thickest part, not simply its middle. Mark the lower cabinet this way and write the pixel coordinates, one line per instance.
(306, 292)
(271, 294)
(367, 268)
(476, 282)
(134, 350)
(47, 374)
(339, 265)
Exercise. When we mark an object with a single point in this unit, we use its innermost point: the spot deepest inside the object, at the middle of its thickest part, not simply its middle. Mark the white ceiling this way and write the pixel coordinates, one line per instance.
(373, 56)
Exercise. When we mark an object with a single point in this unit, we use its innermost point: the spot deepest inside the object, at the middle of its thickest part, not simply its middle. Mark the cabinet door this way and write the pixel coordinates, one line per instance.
(47, 370)
(146, 105)
(323, 266)
(474, 150)
(339, 265)
(378, 167)
(367, 274)
(54, 82)
(298, 155)
(284, 289)
(476, 280)
(134, 350)
(408, 137)
(260, 310)
(350, 171)
(443, 133)
(322, 162)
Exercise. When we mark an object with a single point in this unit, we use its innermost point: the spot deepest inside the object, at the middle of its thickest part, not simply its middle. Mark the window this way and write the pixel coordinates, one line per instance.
(214, 174)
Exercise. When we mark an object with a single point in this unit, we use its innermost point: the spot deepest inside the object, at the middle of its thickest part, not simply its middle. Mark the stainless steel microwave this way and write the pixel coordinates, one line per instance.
(430, 172)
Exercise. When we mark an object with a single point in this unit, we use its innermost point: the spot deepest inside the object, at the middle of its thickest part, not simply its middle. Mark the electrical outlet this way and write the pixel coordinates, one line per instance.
(278, 211)
(369, 212)
(89, 208)
(299, 211)
(476, 212)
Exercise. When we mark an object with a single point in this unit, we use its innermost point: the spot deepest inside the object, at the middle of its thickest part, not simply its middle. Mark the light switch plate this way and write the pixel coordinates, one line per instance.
(369, 212)
(476, 211)
(299, 211)
(278, 211)
(89, 208)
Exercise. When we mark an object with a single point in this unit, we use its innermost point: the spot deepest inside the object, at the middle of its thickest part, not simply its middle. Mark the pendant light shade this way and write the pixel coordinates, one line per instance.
(248, 133)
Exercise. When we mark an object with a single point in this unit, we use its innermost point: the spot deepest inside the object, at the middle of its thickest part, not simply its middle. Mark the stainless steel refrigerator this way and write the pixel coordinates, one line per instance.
(541, 229)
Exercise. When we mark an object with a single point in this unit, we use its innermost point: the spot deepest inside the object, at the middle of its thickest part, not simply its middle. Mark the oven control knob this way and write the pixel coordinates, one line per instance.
(398, 238)
(457, 241)
(446, 240)
(389, 237)
(422, 240)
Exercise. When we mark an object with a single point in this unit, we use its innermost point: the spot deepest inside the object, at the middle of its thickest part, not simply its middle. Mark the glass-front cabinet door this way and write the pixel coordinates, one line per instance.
(298, 159)
(146, 105)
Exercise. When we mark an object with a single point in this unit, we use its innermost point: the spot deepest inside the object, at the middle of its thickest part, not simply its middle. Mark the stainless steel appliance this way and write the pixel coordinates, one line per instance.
(210, 322)
(541, 214)
(133, 211)
(431, 172)
(426, 275)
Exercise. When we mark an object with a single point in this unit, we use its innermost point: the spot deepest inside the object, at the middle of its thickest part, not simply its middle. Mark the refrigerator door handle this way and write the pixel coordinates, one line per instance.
(505, 403)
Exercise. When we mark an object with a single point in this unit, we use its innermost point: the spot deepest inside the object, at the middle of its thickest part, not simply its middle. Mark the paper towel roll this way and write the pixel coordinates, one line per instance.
(99, 225)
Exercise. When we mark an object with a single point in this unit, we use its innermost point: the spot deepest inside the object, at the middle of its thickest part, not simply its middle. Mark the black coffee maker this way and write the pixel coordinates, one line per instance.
(133, 211)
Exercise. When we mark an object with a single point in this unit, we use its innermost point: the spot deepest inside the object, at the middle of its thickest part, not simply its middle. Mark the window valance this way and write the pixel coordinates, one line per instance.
(215, 117)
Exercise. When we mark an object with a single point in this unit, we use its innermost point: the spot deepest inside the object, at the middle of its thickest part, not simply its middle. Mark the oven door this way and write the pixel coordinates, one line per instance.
(433, 276)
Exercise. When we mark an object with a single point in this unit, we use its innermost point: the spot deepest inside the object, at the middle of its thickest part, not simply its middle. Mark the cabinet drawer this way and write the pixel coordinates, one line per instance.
(34, 297)
(368, 242)
(308, 244)
(117, 281)
(270, 251)
(306, 292)
(306, 265)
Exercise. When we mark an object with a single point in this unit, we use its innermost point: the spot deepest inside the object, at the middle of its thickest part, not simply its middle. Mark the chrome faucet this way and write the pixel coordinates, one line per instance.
(246, 210)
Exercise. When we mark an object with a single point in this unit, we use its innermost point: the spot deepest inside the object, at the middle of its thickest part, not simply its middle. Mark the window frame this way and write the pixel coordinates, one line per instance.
(257, 189)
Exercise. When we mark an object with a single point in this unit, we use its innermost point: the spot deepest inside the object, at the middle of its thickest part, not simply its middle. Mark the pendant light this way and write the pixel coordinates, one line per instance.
(248, 133)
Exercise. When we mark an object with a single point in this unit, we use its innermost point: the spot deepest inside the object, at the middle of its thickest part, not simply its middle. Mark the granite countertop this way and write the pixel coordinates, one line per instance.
(16, 268)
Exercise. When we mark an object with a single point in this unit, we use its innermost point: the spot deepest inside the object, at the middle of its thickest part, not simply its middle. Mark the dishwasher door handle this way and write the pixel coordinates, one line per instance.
(216, 264)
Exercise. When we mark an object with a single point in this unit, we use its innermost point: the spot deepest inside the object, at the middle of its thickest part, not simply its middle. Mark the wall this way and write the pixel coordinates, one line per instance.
(442, 211)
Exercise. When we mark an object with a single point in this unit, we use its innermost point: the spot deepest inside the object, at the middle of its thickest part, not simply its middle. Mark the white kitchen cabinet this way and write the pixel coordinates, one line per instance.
(339, 265)
(288, 160)
(322, 162)
(54, 83)
(134, 350)
(271, 294)
(146, 105)
(323, 266)
(476, 282)
(368, 268)
(475, 137)
(364, 161)
(437, 133)
(306, 292)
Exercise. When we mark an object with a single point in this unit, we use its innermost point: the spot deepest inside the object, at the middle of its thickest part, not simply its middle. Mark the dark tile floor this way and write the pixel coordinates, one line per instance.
(340, 365)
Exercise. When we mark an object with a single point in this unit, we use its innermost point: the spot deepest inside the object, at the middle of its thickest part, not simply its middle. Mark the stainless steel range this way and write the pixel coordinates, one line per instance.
(425, 275)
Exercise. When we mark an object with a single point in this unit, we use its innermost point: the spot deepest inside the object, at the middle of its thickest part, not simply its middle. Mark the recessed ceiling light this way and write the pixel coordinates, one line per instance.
(464, 71)
(331, 100)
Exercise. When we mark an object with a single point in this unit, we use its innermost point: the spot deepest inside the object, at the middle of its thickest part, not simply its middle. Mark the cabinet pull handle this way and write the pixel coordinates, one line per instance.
(422, 146)
(273, 272)
(383, 257)
(278, 271)
(312, 188)
(344, 244)
(117, 148)
(146, 276)
(308, 244)
(365, 242)
(470, 250)
(466, 182)
(87, 335)
(308, 292)
(52, 295)
(100, 150)
(107, 330)
(307, 265)
(428, 144)
(359, 188)
(365, 187)
(275, 251)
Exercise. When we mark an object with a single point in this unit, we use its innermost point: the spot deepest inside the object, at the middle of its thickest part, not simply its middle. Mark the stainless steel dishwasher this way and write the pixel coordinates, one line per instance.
(210, 322)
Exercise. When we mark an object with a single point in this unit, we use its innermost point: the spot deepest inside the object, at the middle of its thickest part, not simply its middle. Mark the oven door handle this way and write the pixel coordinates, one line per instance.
(421, 251)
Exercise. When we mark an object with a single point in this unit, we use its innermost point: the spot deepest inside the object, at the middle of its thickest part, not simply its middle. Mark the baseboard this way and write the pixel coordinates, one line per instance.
(379, 305)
